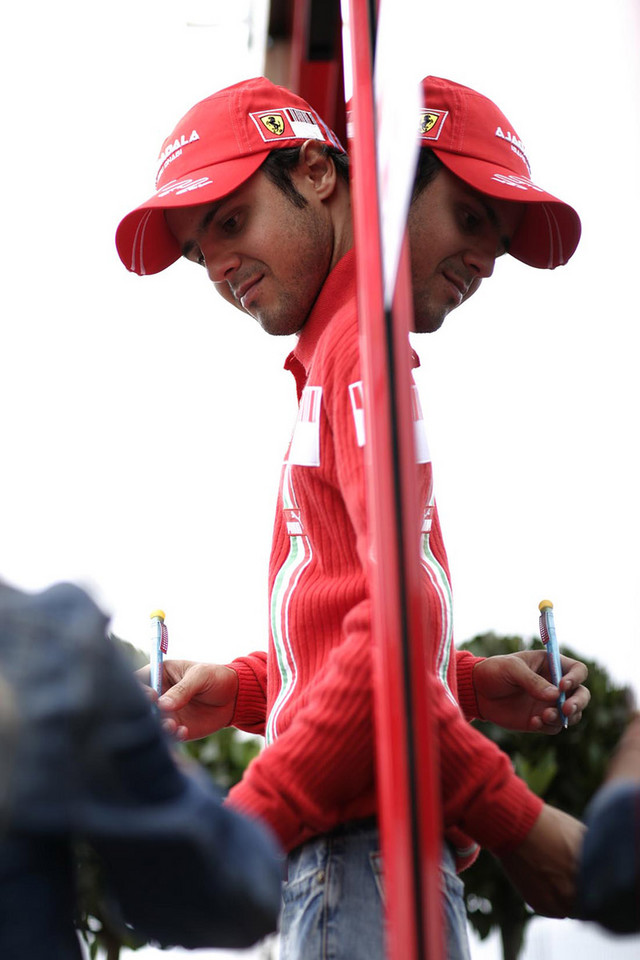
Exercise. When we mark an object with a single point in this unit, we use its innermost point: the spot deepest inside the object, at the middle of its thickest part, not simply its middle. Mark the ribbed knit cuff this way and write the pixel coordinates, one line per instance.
(511, 820)
(251, 703)
(465, 663)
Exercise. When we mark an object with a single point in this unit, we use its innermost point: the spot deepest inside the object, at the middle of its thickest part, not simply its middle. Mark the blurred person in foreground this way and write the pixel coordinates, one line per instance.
(609, 872)
(254, 187)
(83, 755)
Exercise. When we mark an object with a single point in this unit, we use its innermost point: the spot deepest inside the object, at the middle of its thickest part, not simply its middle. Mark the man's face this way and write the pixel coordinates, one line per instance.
(266, 256)
(455, 235)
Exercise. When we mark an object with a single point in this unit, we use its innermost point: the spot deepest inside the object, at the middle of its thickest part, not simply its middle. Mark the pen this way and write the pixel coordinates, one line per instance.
(548, 637)
(159, 646)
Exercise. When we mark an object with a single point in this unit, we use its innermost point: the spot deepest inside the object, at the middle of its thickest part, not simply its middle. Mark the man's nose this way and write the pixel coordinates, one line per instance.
(221, 264)
(481, 259)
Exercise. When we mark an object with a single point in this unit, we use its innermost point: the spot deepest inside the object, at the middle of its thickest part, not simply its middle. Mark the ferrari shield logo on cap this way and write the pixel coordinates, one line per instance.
(287, 123)
(274, 123)
(431, 123)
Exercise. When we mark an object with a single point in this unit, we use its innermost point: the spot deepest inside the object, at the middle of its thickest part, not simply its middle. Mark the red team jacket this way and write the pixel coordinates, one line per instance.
(311, 695)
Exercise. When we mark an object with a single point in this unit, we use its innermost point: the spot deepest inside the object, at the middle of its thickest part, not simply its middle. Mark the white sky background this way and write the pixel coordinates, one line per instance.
(145, 420)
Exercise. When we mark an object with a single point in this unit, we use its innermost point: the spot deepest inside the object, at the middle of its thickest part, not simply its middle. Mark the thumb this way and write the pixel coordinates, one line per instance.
(534, 684)
(180, 693)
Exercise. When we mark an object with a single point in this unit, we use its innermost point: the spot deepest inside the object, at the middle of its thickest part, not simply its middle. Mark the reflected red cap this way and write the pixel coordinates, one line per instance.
(216, 146)
(477, 143)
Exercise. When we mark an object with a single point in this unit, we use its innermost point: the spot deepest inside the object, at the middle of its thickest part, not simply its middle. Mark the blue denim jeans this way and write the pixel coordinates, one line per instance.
(333, 900)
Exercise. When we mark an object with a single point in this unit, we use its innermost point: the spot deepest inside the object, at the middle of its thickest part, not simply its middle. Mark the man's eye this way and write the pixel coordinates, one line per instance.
(230, 224)
(471, 220)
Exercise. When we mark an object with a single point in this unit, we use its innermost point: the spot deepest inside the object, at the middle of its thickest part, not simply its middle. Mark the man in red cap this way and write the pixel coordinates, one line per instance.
(253, 186)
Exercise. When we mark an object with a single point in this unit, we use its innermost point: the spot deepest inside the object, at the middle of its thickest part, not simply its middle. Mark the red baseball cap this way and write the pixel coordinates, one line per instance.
(477, 143)
(216, 146)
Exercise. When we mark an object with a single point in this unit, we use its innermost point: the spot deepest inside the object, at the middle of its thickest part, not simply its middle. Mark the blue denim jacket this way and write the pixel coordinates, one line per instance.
(87, 757)
(608, 882)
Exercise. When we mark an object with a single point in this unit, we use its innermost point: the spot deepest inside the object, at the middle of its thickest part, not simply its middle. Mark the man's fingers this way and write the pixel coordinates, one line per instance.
(176, 730)
(575, 718)
(574, 673)
(577, 699)
(539, 687)
(550, 722)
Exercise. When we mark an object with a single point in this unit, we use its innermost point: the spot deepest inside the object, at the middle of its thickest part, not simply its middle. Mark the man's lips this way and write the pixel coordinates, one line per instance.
(241, 291)
(461, 285)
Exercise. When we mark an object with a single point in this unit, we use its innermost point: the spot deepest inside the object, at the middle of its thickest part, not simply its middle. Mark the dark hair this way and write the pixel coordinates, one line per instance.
(429, 166)
(279, 164)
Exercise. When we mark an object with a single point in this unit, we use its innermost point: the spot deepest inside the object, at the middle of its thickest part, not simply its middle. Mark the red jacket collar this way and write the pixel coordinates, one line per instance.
(339, 287)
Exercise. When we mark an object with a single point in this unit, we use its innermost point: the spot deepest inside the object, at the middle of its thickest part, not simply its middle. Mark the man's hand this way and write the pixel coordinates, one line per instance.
(515, 691)
(198, 698)
(544, 867)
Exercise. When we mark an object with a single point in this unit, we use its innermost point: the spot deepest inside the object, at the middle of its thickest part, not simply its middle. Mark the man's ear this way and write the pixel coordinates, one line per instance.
(318, 168)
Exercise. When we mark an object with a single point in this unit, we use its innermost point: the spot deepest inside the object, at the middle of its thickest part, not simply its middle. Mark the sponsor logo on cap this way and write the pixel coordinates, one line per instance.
(183, 186)
(520, 183)
(274, 122)
(515, 142)
(287, 123)
(173, 150)
(431, 123)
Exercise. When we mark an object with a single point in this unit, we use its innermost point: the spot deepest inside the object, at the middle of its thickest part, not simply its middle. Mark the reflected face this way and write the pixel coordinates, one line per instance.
(455, 236)
(265, 255)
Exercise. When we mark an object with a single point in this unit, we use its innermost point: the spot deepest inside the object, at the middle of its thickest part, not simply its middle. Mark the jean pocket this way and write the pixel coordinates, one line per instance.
(302, 915)
(304, 884)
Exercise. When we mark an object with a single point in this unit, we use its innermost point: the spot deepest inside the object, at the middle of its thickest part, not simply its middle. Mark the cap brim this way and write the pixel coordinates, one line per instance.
(550, 229)
(143, 240)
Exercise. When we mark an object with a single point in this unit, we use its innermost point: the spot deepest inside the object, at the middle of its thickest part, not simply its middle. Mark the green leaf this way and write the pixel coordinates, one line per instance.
(538, 773)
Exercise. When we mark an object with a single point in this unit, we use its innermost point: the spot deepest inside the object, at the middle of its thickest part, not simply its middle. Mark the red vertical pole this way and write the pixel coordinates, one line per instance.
(409, 804)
